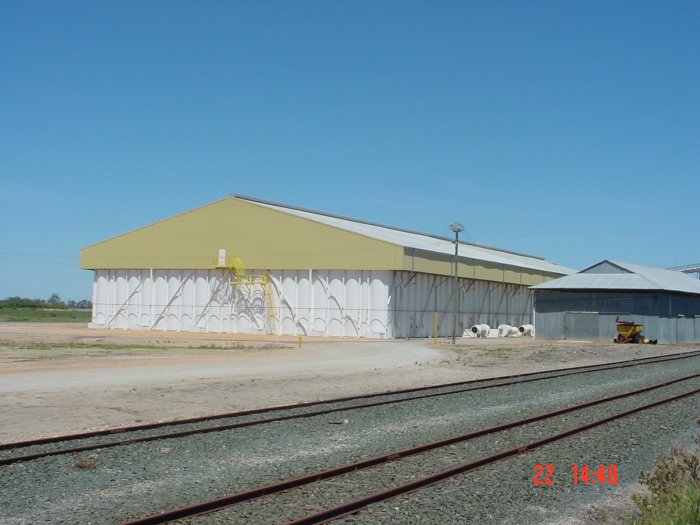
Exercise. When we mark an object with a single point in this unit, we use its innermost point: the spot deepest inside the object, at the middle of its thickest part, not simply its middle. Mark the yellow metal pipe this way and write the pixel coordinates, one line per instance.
(435, 326)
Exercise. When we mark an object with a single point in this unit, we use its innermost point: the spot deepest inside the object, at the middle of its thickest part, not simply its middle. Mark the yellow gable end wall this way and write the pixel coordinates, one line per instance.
(263, 238)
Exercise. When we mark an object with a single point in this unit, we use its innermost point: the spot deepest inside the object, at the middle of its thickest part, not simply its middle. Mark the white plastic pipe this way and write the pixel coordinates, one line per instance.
(506, 330)
(527, 330)
(481, 330)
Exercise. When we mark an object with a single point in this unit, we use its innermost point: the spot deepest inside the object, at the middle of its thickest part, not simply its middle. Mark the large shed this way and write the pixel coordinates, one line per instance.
(247, 265)
(586, 305)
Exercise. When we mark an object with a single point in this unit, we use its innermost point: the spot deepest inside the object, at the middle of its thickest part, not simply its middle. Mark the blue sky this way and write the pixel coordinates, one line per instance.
(568, 130)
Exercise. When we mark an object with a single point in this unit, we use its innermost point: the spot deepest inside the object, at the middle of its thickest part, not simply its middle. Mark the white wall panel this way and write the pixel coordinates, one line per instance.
(333, 303)
(378, 309)
(214, 323)
(319, 296)
(304, 293)
(353, 304)
(99, 291)
(287, 302)
(319, 302)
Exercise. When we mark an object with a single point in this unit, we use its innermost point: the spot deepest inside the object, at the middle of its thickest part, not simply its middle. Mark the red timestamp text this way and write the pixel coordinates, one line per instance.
(581, 474)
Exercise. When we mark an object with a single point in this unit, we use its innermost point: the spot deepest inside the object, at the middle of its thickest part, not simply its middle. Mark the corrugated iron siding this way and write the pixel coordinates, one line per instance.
(416, 298)
(669, 318)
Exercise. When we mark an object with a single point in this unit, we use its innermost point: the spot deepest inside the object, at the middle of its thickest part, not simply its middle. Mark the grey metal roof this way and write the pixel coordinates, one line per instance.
(630, 277)
(419, 241)
(688, 268)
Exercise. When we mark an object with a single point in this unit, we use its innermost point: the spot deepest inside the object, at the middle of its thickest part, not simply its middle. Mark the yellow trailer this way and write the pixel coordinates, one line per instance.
(630, 332)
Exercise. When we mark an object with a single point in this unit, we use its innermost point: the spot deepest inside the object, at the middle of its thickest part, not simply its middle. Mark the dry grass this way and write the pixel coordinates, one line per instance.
(86, 463)
(161, 345)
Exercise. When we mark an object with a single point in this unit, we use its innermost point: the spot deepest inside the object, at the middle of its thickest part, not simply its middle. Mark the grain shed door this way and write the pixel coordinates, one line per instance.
(581, 325)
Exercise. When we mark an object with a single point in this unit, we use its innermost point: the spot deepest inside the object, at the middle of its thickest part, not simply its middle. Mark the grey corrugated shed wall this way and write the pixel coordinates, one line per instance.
(416, 297)
(590, 315)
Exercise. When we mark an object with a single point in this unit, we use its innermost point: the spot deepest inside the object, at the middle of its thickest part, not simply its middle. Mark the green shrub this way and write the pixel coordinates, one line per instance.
(674, 491)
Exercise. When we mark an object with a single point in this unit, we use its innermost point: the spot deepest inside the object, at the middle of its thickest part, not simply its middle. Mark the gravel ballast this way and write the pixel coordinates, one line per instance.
(129, 482)
(297, 503)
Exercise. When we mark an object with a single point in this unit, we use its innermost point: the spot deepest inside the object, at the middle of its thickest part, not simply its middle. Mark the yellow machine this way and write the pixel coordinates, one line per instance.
(629, 332)
(250, 285)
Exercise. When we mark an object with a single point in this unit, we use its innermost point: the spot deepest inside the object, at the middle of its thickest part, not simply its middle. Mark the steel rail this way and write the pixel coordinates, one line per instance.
(148, 426)
(258, 492)
(232, 426)
(358, 504)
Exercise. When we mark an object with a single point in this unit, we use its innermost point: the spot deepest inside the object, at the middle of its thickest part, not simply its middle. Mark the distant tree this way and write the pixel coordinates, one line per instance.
(22, 302)
(55, 299)
(71, 304)
(85, 304)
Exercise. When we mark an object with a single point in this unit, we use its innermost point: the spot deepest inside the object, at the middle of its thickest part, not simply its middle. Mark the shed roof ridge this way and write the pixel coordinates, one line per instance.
(634, 271)
(643, 271)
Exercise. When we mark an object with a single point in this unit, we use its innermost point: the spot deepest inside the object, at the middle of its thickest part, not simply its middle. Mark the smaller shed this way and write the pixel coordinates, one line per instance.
(585, 305)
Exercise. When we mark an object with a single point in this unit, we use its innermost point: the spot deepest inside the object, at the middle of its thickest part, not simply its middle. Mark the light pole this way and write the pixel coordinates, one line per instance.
(455, 227)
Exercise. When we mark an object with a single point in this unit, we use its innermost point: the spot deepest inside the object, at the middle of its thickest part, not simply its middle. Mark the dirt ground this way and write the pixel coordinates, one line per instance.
(64, 378)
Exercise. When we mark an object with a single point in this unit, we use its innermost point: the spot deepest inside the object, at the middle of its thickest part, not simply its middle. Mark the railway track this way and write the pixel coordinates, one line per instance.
(343, 498)
(89, 441)
(124, 483)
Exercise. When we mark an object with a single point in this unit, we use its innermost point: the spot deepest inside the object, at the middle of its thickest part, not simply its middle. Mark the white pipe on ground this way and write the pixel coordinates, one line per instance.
(506, 330)
(481, 330)
(527, 330)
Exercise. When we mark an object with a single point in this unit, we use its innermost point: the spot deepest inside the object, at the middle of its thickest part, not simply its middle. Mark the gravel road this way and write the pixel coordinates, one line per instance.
(63, 378)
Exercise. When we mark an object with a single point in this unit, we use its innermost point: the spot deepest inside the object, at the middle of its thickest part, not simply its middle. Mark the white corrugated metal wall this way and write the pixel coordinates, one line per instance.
(348, 303)
(300, 302)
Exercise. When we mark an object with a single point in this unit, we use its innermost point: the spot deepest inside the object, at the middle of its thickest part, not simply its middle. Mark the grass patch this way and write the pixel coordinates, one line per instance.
(481, 357)
(674, 491)
(41, 315)
(498, 353)
(547, 350)
(37, 345)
